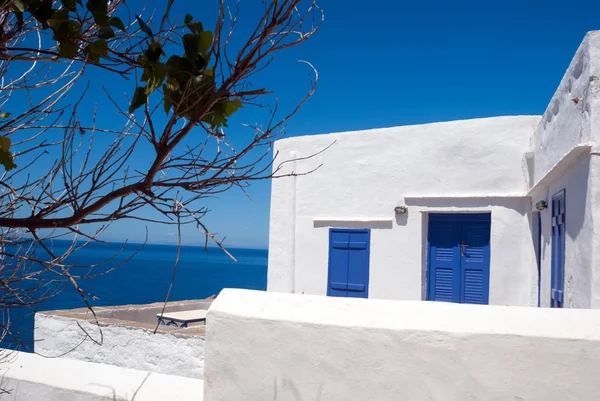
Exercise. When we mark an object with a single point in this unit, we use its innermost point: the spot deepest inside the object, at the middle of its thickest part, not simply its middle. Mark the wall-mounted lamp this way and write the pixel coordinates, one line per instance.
(541, 205)
(401, 210)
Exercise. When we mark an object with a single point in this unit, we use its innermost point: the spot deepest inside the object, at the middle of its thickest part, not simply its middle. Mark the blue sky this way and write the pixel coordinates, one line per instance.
(386, 63)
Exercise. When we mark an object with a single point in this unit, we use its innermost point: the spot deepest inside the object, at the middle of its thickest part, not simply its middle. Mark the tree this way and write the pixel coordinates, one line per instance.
(187, 81)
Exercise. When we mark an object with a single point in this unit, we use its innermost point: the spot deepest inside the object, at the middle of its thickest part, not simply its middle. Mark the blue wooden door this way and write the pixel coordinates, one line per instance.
(459, 258)
(348, 263)
(558, 250)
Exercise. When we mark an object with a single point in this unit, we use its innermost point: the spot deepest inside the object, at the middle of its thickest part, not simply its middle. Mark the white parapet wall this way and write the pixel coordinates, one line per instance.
(121, 343)
(30, 377)
(272, 346)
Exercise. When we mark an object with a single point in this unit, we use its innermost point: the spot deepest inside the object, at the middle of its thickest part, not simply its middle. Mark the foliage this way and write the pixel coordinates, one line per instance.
(187, 81)
(69, 182)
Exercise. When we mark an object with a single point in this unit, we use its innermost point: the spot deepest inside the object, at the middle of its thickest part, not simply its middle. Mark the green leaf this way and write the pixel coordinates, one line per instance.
(117, 23)
(91, 57)
(195, 27)
(96, 50)
(167, 103)
(55, 24)
(22, 5)
(42, 11)
(67, 49)
(154, 75)
(99, 47)
(180, 69)
(145, 28)
(231, 106)
(172, 84)
(154, 52)
(71, 5)
(206, 39)
(61, 14)
(100, 18)
(191, 45)
(106, 32)
(67, 29)
(4, 115)
(5, 143)
(6, 159)
(139, 99)
(98, 6)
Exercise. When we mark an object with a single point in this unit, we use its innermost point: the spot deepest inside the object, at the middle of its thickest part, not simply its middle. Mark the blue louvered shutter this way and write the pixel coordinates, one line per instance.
(338, 263)
(358, 264)
(348, 263)
(444, 261)
(558, 250)
(475, 262)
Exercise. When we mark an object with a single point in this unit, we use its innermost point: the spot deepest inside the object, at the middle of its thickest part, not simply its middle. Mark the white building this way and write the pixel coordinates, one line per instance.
(450, 211)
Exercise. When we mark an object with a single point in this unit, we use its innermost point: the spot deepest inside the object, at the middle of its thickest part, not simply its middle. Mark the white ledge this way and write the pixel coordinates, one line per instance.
(352, 220)
(469, 196)
(567, 161)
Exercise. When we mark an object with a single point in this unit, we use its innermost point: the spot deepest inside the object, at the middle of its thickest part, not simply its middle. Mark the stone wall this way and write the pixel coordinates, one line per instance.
(127, 338)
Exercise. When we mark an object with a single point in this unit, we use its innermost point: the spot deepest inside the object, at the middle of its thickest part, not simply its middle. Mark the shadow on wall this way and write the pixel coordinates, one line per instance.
(288, 386)
(575, 199)
(353, 224)
(516, 203)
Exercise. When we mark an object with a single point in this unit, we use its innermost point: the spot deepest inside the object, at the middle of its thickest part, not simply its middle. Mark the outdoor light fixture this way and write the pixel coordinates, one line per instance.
(401, 210)
(541, 205)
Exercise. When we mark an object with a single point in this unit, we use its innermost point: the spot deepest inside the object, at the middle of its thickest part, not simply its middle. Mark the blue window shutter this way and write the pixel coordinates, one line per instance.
(358, 264)
(338, 263)
(348, 263)
(444, 261)
(558, 250)
(475, 262)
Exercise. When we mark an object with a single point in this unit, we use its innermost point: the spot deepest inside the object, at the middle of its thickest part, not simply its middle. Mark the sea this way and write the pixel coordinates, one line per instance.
(141, 274)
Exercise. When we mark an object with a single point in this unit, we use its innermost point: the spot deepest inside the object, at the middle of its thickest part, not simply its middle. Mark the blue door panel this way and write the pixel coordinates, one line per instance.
(459, 258)
(558, 250)
(358, 264)
(348, 263)
(475, 262)
(338, 264)
(444, 261)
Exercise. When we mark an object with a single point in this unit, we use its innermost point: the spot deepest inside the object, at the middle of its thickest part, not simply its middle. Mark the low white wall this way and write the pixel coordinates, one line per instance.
(30, 377)
(459, 166)
(130, 347)
(303, 347)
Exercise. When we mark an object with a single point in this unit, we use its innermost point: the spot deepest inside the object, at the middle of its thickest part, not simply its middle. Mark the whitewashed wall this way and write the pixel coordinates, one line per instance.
(461, 166)
(304, 347)
(565, 149)
(30, 377)
(124, 346)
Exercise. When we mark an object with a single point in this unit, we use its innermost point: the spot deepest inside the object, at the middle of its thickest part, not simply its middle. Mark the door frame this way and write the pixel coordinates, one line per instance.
(368, 249)
(457, 217)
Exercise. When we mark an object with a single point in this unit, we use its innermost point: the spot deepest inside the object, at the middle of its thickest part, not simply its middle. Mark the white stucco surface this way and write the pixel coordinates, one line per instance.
(566, 140)
(304, 347)
(130, 347)
(567, 123)
(30, 377)
(460, 166)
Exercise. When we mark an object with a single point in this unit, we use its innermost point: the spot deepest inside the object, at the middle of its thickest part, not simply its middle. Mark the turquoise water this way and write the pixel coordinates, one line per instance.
(146, 278)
